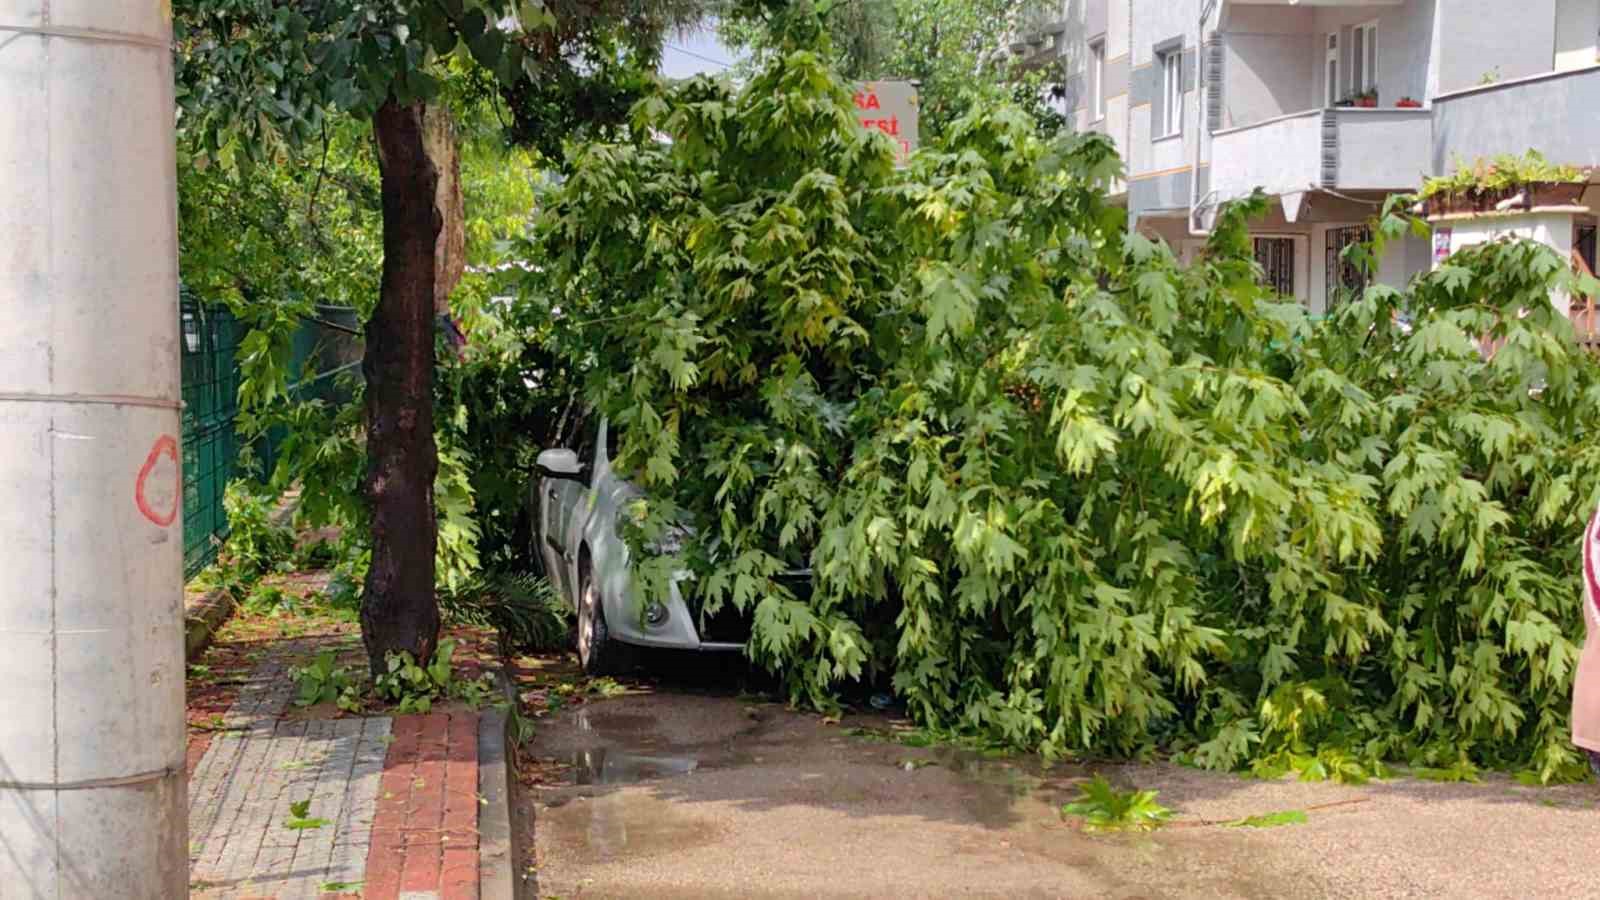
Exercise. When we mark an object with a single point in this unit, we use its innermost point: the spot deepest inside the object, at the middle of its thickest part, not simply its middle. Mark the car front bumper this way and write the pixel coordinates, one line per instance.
(680, 629)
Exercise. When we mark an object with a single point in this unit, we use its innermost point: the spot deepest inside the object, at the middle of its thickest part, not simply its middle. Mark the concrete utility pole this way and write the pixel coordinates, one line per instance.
(92, 800)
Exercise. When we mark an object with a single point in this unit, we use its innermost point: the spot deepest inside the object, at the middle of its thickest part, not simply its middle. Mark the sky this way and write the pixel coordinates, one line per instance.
(694, 53)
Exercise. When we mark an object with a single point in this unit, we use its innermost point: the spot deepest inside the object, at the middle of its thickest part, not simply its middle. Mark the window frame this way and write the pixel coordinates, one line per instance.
(1367, 64)
(1288, 242)
(1097, 79)
(1330, 69)
(1171, 62)
(1342, 280)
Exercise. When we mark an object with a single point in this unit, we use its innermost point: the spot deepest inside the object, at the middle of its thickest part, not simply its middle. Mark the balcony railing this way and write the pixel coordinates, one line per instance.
(1553, 113)
(1349, 148)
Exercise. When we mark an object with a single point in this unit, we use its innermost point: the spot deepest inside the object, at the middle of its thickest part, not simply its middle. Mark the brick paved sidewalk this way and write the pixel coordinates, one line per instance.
(399, 796)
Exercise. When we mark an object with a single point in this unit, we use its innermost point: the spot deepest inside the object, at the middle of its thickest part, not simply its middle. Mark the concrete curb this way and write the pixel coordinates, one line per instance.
(524, 875)
(496, 879)
(201, 620)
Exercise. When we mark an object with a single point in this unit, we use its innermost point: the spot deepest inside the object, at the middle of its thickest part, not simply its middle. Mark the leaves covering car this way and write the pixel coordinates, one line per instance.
(1059, 489)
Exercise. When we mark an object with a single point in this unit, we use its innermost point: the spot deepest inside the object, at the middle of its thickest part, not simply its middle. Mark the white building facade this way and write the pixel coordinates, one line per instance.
(1329, 107)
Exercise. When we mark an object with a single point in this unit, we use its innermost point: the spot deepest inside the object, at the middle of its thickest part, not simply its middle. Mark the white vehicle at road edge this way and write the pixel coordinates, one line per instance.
(580, 501)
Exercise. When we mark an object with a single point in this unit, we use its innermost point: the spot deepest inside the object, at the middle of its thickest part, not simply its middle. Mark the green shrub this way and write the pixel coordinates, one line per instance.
(1497, 175)
(255, 544)
(413, 687)
(266, 599)
(523, 608)
(323, 680)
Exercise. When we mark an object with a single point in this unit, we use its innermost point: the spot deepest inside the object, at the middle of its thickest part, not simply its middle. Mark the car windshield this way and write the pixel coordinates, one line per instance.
(613, 441)
(630, 472)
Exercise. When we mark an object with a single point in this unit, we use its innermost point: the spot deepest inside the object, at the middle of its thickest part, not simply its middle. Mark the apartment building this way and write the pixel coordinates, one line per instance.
(1329, 106)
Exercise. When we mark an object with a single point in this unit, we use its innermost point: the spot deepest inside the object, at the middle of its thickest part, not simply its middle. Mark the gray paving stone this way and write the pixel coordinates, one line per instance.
(242, 787)
(232, 838)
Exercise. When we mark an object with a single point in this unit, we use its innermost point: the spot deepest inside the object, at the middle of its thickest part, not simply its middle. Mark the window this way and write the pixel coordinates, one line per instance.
(1330, 75)
(1172, 92)
(1583, 243)
(1097, 80)
(1276, 256)
(1345, 278)
(577, 433)
(1364, 58)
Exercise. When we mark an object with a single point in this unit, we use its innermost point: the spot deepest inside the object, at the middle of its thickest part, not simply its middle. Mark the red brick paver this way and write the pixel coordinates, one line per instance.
(425, 831)
(252, 754)
(422, 804)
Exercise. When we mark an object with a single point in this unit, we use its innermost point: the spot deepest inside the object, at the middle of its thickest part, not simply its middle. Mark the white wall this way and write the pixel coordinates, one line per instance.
(1266, 77)
(1402, 261)
(1405, 45)
(1107, 19)
(1577, 25)
(1154, 23)
(1116, 126)
(1279, 156)
(1549, 228)
(1558, 115)
(1264, 66)
(1384, 148)
(1479, 36)
(1117, 24)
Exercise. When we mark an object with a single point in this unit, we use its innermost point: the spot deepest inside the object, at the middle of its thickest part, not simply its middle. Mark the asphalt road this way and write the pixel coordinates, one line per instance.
(672, 794)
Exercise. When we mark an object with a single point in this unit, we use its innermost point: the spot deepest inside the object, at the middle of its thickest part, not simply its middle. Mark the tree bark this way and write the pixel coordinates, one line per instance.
(450, 252)
(398, 607)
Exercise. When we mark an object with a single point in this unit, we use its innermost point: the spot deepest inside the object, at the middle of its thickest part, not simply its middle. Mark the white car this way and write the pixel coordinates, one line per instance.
(580, 502)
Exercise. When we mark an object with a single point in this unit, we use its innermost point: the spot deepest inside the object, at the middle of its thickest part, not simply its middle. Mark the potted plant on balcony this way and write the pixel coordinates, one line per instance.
(1408, 103)
(1367, 99)
(1530, 180)
(1346, 100)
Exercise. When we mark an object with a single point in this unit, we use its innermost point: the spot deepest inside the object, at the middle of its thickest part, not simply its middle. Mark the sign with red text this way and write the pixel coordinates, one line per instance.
(890, 107)
(1441, 244)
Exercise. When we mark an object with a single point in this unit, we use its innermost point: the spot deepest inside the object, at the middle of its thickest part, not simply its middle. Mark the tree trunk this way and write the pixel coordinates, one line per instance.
(398, 608)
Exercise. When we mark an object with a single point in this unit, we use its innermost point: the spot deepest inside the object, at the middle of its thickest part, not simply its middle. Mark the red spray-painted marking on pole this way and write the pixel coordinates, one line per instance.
(166, 445)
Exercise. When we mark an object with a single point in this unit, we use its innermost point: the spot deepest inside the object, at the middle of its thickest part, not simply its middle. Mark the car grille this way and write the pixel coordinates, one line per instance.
(729, 625)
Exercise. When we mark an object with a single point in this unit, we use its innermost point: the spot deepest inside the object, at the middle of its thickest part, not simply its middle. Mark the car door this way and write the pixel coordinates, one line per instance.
(547, 498)
(557, 500)
(569, 505)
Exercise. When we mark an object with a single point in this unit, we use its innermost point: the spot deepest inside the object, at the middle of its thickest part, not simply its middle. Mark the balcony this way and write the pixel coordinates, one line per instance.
(1316, 3)
(1343, 148)
(1553, 113)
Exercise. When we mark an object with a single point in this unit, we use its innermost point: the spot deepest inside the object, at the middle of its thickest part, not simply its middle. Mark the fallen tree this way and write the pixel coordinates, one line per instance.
(1063, 492)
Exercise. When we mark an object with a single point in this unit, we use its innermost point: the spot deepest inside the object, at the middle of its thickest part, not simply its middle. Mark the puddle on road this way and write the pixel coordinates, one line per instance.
(626, 825)
(618, 723)
(620, 748)
(680, 781)
(607, 766)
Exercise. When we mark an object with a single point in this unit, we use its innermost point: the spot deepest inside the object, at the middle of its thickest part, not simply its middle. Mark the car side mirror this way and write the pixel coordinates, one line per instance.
(561, 464)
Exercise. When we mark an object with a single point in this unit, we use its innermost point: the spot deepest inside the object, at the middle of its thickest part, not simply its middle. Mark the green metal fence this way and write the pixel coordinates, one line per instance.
(210, 404)
(323, 347)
